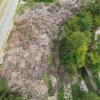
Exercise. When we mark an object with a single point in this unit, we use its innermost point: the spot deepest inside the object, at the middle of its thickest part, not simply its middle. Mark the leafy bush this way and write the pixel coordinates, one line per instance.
(79, 35)
(81, 95)
(94, 7)
(6, 94)
(95, 58)
(98, 47)
(73, 50)
(85, 20)
(97, 20)
(60, 94)
(81, 22)
(72, 25)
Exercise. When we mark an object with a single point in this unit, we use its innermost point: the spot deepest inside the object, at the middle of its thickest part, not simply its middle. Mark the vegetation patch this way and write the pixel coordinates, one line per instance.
(6, 94)
(46, 79)
(80, 49)
(60, 91)
(81, 95)
(29, 4)
(80, 37)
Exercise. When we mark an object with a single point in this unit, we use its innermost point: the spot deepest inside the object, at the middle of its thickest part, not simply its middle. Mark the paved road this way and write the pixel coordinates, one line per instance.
(6, 21)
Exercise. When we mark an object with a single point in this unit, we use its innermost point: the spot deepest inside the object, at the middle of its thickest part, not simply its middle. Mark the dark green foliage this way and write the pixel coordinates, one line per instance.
(95, 58)
(73, 50)
(97, 20)
(84, 20)
(94, 7)
(97, 80)
(60, 94)
(80, 95)
(6, 94)
(72, 26)
(79, 34)
(98, 48)
(77, 93)
(95, 64)
(79, 48)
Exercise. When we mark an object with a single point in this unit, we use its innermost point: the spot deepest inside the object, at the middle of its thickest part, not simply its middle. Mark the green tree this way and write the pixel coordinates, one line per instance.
(85, 20)
(94, 7)
(97, 20)
(73, 50)
(72, 25)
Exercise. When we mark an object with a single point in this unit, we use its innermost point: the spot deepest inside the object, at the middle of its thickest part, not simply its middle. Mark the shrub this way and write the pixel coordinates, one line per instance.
(81, 95)
(85, 20)
(60, 94)
(97, 20)
(6, 94)
(73, 50)
(72, 25)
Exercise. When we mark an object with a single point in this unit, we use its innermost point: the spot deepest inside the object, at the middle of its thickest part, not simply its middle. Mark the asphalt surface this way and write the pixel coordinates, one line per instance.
(6, 21)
